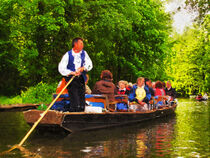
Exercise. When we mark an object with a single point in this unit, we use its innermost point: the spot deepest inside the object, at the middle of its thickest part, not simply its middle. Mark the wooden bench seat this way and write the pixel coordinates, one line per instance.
(121, 98)
(95, 98)
(111, 106)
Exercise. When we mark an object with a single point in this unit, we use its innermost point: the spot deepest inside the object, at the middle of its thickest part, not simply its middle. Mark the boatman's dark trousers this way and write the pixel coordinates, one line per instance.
(76, 91)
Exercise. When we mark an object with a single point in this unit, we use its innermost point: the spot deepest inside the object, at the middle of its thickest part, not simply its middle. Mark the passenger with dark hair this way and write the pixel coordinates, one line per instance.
(159, 94)
(159, 91)
(164, 85)
(105, 85)
(149, 83)
(148, 91)
(170, 91)
(76, 62)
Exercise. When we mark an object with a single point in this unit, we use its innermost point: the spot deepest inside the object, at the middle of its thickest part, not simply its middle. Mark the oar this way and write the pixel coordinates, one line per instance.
(37, 122)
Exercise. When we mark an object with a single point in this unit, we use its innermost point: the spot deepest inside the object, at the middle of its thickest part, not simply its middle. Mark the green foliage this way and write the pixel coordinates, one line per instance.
(130, 38)
(12, 100)
(41, 93)
(191, 62)
(42, 107)
(126, 37)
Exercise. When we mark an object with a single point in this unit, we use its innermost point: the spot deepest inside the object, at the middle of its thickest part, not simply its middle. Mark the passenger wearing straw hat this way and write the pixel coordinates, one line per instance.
(76, 62)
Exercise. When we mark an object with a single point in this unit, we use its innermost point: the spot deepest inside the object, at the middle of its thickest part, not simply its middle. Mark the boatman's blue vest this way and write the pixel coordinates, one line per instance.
(71, 65)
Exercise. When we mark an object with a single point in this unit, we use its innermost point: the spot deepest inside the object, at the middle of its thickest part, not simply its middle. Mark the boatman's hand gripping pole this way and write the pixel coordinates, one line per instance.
(37, 122)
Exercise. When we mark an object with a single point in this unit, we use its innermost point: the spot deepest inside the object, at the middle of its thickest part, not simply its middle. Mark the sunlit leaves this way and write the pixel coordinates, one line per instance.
(190, 65)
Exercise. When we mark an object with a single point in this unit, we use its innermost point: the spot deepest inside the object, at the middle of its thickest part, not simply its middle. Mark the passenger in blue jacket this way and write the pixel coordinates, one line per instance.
(132, 95)
(76, 62)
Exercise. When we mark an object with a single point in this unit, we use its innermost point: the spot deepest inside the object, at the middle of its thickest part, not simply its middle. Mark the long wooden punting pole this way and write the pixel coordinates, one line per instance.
(37, 122)
(43, 114)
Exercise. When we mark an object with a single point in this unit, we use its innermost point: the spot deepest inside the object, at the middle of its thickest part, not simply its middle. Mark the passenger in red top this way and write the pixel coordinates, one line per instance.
(122, 88)
(159, 91)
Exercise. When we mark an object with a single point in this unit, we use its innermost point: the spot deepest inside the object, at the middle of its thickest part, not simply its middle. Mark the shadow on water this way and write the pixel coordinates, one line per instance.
(164, 137)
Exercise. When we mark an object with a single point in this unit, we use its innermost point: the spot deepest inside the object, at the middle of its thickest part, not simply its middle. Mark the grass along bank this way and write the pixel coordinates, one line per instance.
(41, 93)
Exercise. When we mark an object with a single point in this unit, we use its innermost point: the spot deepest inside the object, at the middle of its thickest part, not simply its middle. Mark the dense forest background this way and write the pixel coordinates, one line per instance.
(131, 38)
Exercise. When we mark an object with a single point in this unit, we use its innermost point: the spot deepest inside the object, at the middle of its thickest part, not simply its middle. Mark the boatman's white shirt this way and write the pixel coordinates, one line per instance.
(62, 67)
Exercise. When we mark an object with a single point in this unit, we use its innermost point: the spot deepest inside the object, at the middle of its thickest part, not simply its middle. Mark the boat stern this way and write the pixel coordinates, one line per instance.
(52, 117)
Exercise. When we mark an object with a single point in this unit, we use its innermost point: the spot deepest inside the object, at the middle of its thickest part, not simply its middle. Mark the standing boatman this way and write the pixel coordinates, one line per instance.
(76, 62)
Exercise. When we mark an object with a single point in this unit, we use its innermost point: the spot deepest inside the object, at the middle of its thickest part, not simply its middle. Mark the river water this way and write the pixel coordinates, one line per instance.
(181, 136)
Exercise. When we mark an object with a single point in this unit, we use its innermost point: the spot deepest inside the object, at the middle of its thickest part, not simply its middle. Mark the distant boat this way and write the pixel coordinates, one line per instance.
(199, 97)
(80, 121)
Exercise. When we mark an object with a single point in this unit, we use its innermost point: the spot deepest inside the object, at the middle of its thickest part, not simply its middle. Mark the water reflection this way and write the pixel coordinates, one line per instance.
(185, 135)
(129, 141)
(140, 145)
(192, 129)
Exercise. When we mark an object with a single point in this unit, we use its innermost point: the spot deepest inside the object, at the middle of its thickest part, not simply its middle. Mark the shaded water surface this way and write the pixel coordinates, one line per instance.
(183, 135)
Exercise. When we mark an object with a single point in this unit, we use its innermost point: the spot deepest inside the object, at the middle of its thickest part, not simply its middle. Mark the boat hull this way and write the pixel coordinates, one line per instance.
(79, 121)
(201, 99)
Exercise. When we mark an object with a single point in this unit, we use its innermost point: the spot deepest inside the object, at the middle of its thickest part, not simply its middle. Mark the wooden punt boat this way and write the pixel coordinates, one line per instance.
(79, 121)
(201, 99)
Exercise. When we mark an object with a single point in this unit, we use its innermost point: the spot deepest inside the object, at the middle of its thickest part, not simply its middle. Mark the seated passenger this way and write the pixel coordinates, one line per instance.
(159, 91)
(153, 86)
(122, 88)
(163, 85)
(130, 86)
(105, 85)
(60, 87)
(61, 104)
(147, 90)
(149, 83)
(170, 91)
(205, 96)
(138, 94)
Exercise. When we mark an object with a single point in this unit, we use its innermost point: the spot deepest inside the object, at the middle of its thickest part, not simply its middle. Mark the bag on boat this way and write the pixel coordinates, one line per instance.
(122, 106)
(96, 104)
(62, 97)
(60, 105)
(137, 107)
(91, 109)
(92, 103)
